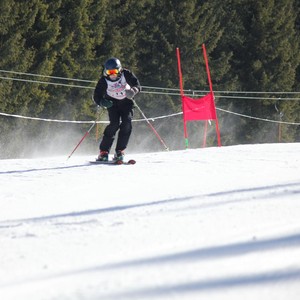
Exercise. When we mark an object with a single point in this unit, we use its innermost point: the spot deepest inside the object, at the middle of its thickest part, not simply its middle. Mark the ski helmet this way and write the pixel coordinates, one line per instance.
(112, 66)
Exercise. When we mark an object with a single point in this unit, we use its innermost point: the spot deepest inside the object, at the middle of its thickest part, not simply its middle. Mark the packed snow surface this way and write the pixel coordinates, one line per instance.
(212, 223)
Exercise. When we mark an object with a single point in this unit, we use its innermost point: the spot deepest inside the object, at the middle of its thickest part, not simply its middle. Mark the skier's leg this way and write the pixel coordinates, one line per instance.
(126, 113)
(110, 130)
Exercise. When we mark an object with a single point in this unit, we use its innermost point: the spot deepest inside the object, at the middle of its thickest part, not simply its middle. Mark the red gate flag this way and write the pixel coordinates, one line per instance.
(199, 109)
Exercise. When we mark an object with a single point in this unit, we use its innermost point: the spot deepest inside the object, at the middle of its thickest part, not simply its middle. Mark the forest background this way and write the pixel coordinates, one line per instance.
(52, 54)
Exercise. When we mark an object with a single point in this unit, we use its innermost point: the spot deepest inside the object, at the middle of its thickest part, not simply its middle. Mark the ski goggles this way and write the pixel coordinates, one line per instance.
(112, 72)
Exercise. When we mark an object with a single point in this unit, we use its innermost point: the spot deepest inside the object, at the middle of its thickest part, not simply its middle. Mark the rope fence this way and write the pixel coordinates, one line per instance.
(142, 120)
(151, 90)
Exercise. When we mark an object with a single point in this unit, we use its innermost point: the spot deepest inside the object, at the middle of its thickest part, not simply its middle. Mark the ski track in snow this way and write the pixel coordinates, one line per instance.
(217, 223)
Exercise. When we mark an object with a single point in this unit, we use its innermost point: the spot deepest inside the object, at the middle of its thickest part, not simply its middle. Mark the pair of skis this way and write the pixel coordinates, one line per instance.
(113, 162)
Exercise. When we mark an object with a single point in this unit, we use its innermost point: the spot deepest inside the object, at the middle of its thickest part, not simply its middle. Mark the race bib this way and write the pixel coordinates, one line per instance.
(116, 89)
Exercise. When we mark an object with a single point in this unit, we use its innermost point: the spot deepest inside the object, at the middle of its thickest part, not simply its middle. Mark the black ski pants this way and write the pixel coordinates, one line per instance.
(120, 117)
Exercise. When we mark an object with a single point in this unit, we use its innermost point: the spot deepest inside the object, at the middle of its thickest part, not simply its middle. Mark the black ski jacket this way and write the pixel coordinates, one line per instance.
(101, 90)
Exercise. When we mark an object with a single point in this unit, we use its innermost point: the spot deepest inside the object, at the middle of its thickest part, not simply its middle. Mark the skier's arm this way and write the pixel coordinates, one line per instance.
(100, 91)
(135, 86)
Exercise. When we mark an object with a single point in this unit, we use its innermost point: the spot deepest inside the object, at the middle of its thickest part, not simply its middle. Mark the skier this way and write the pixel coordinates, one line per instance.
(115, 91)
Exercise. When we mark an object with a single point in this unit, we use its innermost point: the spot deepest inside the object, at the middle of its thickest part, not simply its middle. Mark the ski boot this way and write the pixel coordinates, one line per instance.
(103, 156)
(119, 157)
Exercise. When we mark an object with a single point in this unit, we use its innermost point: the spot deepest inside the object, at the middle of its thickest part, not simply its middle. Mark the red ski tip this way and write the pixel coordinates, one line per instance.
(131, 161)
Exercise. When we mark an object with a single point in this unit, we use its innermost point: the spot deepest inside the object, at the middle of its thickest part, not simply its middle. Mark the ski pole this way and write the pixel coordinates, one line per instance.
(151, 126)
(85, 135)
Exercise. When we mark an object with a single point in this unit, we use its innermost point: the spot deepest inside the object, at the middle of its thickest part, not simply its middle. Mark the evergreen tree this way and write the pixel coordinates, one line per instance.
(169, 25)
(42, 37)
(30, 50)
(17, 16)
(76, 56)
(265, 58)
(226, 62)
(122, 26)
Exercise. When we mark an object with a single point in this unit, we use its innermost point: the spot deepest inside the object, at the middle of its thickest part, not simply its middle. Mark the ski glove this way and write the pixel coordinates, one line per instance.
(131, 93)
(106, 103)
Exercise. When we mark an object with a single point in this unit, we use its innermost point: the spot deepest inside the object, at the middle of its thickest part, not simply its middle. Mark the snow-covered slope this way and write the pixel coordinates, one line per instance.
(214, 223)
